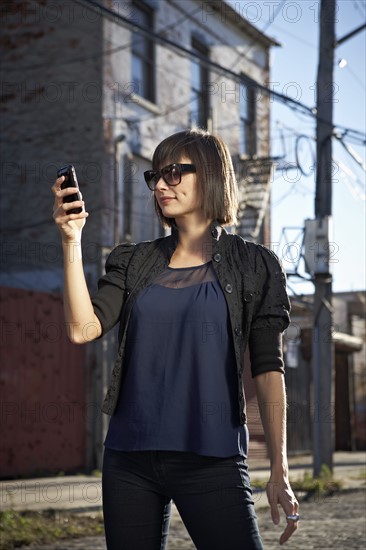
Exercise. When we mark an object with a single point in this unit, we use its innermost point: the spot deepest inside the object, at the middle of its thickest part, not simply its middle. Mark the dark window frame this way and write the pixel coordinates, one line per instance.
(200, 117)
(147, 61)
(248, 120)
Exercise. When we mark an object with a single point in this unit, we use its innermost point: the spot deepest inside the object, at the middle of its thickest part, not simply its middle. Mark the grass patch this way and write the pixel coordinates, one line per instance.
(258, 484)
(24, 528)
(361, 476)
(325, 484)
(317, 487)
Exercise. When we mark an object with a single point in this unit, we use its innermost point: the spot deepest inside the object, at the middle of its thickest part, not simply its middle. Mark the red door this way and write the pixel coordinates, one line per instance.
(42, 387)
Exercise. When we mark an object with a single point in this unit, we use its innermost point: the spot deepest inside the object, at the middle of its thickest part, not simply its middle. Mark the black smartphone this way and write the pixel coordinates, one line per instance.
(70, 180)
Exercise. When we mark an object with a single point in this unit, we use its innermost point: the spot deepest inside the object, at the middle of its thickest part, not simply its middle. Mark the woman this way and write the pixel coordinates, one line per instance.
(188, 305)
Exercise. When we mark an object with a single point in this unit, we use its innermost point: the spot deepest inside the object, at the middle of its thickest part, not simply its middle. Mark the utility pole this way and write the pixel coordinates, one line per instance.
(323, 349)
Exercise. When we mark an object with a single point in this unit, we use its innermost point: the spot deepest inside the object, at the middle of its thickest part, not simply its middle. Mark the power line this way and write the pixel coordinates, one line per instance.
(349, 35)
(61, 62)
(349, 178)
(358, 7)
(351, 153)
(266, 26)
(295, 37)
(208, 29)
(353, 74)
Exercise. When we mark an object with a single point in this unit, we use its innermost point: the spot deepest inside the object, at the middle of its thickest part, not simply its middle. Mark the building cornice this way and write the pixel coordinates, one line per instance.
(236, 19)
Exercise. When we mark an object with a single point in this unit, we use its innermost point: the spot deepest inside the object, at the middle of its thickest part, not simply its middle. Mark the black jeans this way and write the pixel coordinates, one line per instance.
(212, 495)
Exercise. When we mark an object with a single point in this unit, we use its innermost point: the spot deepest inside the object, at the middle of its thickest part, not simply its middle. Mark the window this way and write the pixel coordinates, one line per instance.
(248, 133)
(143, 54)
(140, 222)
(199, 95)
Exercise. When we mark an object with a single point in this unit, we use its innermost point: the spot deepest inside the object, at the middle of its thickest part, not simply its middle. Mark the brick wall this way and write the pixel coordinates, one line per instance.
(51, 99)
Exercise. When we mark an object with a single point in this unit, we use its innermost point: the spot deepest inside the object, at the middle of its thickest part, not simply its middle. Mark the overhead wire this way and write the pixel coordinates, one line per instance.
(251, 44)
(295, 37)
(61, 62)
(351, 153)
(356, 78)
(339, 137)
(357, 6)
(351, 181)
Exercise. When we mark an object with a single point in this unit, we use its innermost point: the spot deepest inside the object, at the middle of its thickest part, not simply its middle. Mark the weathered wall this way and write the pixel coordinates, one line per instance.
(51, 114)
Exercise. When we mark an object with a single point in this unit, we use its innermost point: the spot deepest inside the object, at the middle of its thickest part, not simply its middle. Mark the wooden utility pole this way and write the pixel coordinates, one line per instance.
(323, 350)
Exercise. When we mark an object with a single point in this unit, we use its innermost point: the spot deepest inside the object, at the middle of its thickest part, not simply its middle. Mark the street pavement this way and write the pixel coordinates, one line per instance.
(333, 521)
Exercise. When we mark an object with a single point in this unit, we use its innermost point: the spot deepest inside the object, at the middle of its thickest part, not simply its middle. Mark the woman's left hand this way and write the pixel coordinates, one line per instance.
(279, 491)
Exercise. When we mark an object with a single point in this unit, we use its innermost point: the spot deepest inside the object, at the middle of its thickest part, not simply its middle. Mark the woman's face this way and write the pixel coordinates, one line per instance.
(180, 200)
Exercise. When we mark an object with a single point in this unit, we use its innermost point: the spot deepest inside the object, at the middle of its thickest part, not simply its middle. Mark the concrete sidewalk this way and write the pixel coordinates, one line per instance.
(84, 493)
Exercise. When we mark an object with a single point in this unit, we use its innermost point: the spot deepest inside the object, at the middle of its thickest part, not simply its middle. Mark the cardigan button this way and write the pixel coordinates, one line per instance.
(229, 288)
(238, 331)
(242, 417)
(217, 257)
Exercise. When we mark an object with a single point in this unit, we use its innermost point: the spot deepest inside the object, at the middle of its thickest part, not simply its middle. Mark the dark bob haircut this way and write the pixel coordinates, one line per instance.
(214, 171)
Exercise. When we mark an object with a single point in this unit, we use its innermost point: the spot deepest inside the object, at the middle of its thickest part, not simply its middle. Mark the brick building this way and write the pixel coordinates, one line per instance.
(100, 88)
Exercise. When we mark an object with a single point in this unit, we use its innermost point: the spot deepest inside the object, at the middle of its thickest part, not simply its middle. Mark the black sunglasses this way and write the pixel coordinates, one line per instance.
(171, 174)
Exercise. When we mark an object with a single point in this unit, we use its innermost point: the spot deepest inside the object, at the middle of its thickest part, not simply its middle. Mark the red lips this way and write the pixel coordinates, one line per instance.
(165, 199)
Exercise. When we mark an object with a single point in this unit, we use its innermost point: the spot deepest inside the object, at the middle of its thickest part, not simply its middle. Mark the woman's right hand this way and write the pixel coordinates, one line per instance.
(70, 225)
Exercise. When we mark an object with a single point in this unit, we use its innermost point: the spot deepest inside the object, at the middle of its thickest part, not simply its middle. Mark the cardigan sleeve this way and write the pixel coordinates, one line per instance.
(270, 316)
(111, 293)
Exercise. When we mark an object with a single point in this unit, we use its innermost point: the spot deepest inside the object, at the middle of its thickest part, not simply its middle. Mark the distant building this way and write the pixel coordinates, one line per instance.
(100, 89)
(347, 412)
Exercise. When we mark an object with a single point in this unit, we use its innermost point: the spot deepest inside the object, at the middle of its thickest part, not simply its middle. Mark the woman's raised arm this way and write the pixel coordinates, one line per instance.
(82, 324)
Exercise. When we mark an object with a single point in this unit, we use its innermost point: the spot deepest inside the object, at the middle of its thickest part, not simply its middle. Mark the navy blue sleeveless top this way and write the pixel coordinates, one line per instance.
(179, 391)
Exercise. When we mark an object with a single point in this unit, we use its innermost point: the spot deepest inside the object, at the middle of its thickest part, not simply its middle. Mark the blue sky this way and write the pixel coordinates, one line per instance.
(293, 73)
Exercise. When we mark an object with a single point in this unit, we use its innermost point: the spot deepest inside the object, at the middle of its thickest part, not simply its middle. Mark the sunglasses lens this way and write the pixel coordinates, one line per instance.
(172, 175)
(150, 178)
(154, 179)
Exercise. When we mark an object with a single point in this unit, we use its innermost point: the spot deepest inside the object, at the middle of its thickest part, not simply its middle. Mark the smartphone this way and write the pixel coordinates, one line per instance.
(70, 180)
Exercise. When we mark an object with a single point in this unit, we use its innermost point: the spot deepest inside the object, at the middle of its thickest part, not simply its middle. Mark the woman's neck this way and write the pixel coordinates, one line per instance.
(194, 241)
